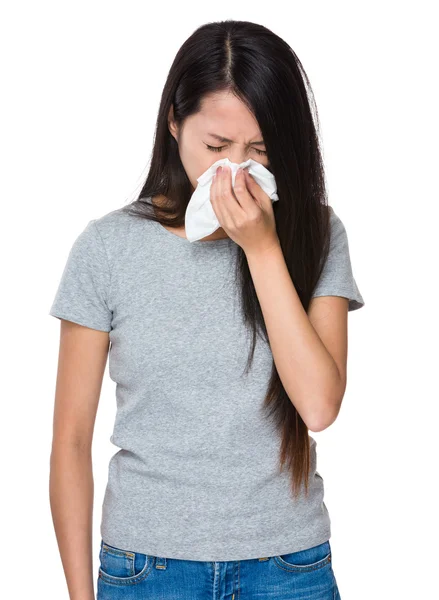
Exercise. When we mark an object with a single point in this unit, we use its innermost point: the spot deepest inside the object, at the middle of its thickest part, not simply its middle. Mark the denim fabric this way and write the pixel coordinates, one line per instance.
(306, 574)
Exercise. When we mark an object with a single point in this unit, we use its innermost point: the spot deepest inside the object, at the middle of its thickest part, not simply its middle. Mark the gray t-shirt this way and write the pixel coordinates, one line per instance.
(196, 476)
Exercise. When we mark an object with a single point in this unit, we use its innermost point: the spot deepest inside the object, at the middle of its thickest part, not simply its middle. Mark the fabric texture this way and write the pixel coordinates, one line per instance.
(196, 473)
(306, 574)
(337, 278)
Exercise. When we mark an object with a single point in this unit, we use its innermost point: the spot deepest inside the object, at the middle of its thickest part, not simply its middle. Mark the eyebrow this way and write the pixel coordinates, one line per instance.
(220, 138)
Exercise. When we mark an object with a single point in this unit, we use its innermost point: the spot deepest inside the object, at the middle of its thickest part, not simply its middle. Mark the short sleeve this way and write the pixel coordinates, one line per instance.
(337, 278)
(82, 294)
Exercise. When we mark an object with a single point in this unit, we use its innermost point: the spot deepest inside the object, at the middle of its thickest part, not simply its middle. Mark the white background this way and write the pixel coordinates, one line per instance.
(81, 84)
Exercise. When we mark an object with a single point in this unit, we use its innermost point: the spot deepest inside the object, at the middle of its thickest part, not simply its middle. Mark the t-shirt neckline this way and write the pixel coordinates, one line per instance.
(183, 240)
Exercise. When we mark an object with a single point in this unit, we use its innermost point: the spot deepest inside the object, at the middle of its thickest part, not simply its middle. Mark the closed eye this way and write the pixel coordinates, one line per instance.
(219, 148)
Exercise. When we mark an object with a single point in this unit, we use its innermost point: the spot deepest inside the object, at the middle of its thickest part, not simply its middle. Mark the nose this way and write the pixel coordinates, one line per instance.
(238, 156)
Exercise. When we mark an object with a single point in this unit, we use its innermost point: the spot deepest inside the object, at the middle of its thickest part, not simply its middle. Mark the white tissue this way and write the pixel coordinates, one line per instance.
(200, 218)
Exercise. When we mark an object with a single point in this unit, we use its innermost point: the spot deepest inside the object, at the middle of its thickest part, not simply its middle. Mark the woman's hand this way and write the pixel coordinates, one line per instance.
(245, 212)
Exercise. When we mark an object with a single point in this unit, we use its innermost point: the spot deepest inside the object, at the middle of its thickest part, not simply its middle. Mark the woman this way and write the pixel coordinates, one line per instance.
(225, 351)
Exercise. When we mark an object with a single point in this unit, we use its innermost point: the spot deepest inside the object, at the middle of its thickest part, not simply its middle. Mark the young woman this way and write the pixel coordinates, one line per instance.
(225, 351)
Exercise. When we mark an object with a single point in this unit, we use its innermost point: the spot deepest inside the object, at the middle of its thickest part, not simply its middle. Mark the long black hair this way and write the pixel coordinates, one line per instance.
(261, 69)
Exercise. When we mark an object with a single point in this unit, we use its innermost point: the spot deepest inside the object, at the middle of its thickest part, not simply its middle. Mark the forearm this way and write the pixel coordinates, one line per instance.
(307, 370)
(71, 491)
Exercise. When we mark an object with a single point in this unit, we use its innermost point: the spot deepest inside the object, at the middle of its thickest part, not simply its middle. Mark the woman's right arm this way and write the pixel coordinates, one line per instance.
(81, 364)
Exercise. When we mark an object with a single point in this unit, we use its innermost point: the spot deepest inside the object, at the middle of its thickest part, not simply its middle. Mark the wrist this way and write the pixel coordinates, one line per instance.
(263, 251)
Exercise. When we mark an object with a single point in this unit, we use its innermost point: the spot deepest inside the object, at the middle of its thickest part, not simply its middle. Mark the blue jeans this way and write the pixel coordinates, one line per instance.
(126, 575)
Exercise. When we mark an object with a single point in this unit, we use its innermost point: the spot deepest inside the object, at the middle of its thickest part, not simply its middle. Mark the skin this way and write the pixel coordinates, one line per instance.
(81, 364)
(222, 114)
(309, 348)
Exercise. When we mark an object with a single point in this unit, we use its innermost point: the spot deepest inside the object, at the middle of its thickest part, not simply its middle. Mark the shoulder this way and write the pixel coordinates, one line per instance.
(117, 227)
(338, 235)
(335, 221)
(337, 277)
(113, 223)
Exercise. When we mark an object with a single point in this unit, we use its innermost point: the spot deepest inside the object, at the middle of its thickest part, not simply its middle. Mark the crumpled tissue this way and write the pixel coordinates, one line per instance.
(200, 218)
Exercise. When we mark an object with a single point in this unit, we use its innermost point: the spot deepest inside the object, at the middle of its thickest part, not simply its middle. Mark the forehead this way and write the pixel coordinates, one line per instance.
(227, 115)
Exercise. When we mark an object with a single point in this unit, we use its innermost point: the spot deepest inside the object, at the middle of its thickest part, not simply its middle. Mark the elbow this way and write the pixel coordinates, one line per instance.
(324, 418)
(320, 426)
(327, 410)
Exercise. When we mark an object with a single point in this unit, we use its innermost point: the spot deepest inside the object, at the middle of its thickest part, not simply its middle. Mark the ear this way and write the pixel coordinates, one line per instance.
(172, 125)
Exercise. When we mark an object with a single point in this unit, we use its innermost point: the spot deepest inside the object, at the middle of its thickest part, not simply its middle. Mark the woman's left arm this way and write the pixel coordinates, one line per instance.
(309, 349)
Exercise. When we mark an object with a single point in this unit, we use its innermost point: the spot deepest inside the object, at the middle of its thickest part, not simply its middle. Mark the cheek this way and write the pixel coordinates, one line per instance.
(195, 171)
(190, 164)
(196, 162)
